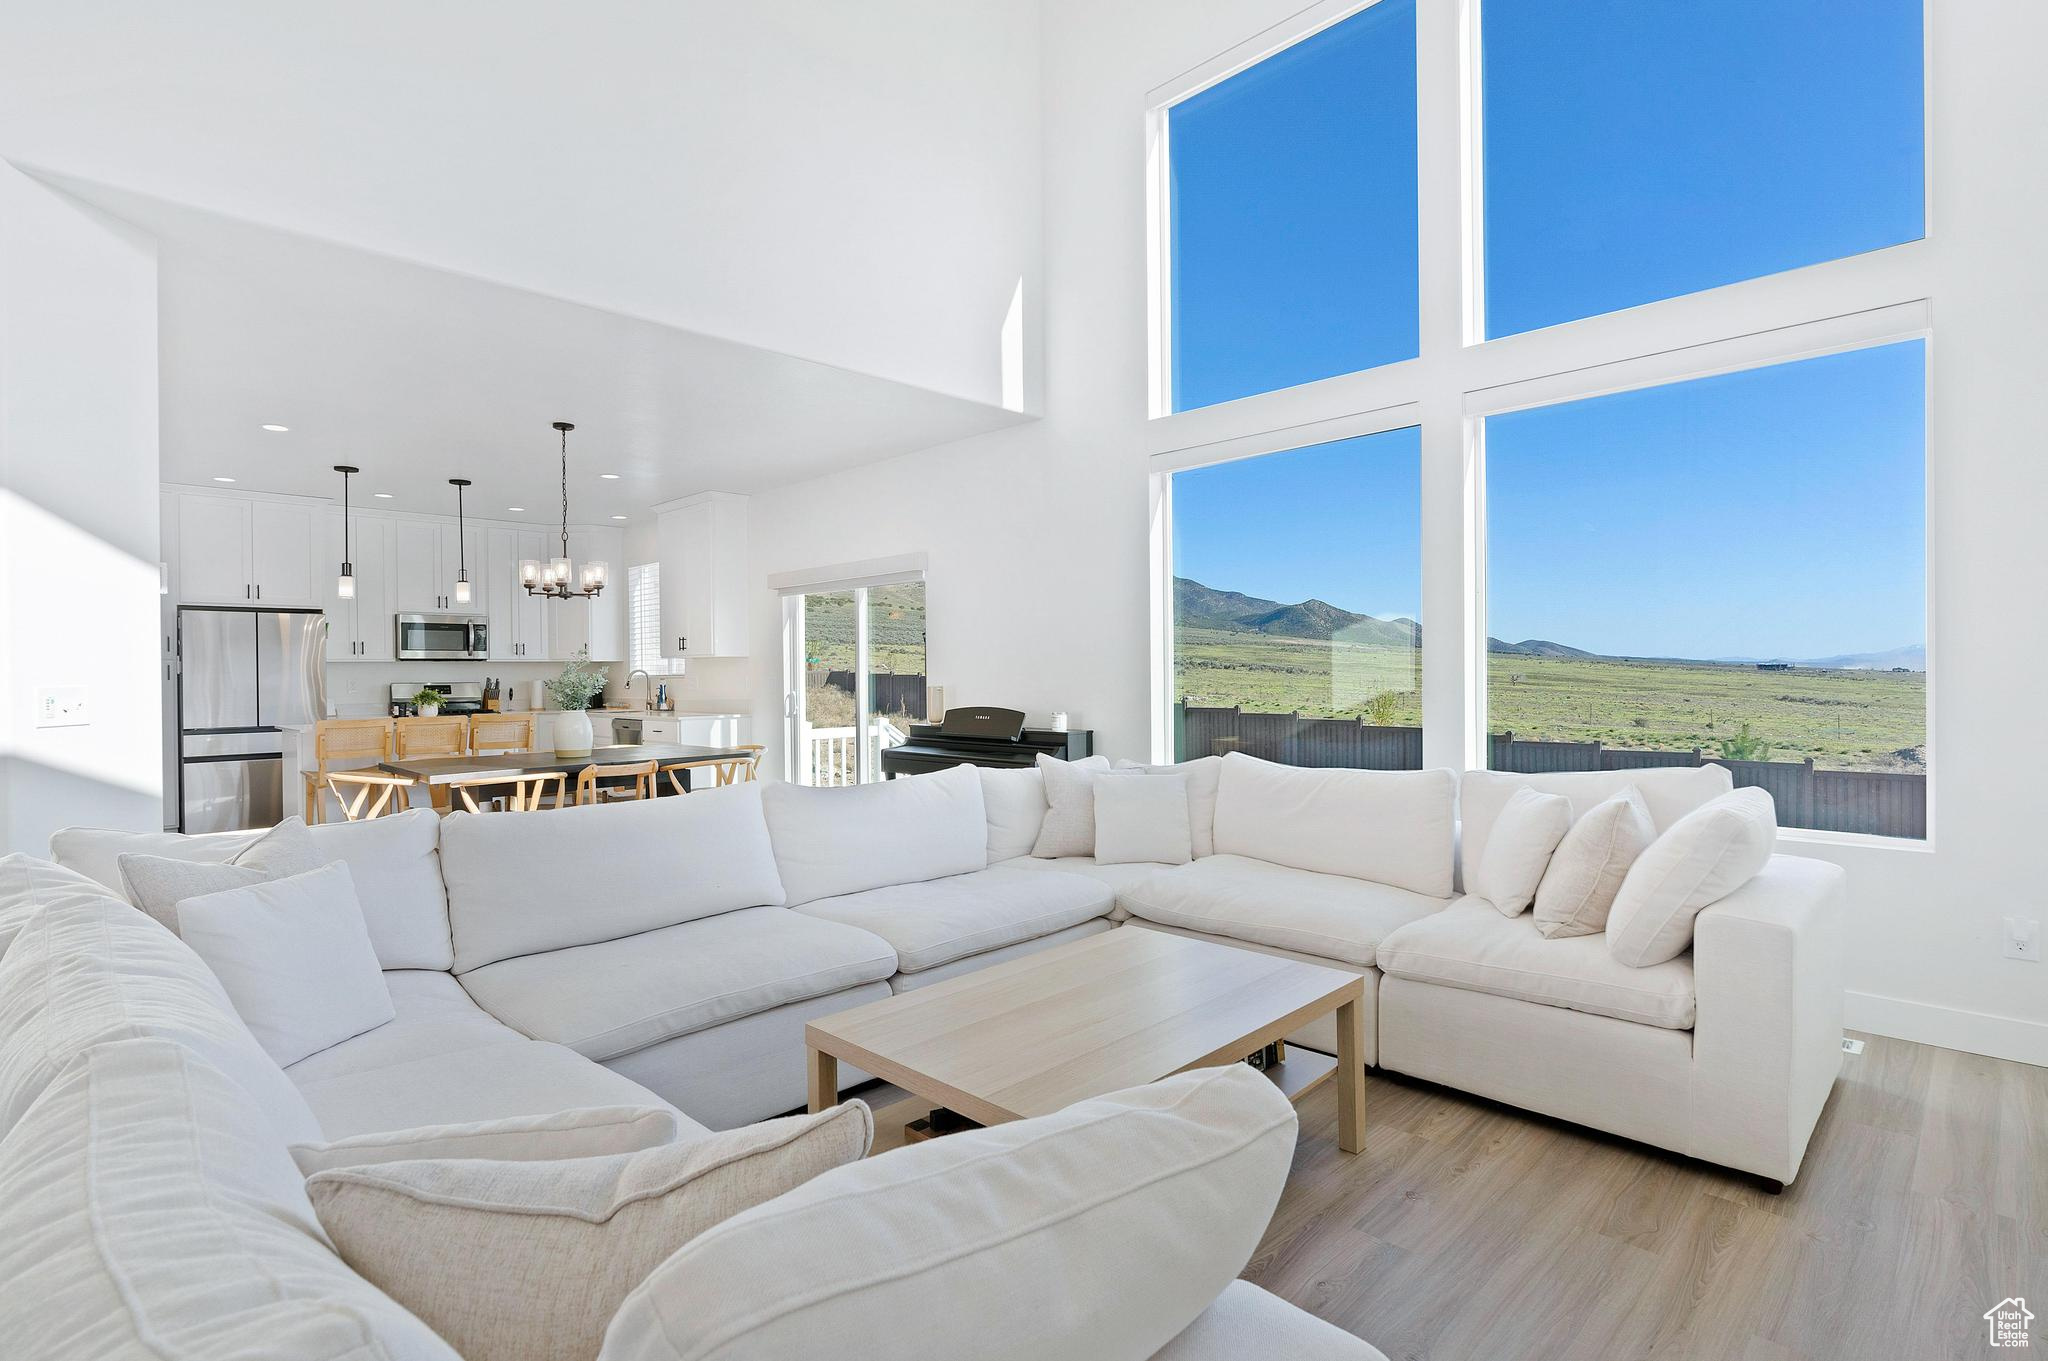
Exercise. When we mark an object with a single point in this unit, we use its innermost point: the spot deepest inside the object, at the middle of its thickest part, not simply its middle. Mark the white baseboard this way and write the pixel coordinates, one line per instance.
(1973, 1032)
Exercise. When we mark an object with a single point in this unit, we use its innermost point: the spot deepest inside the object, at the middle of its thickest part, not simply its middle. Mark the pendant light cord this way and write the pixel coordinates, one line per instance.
(565, 495)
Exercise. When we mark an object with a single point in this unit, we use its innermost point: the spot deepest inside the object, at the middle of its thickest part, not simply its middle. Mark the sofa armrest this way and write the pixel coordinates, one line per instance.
(1767, 1045)
(1247, 1321)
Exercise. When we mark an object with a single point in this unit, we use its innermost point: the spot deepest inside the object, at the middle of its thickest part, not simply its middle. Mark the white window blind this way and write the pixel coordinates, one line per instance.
(643, 622)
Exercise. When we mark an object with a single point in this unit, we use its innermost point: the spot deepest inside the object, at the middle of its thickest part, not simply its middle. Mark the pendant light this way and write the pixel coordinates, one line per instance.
(345, 586)
(558, 577)
(461, 544)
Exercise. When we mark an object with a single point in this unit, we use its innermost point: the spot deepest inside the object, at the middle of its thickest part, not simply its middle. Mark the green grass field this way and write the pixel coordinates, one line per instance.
(1844, 720)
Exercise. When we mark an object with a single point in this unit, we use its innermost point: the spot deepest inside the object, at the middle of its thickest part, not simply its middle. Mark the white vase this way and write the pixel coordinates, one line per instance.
(572, 733)
(430, 711)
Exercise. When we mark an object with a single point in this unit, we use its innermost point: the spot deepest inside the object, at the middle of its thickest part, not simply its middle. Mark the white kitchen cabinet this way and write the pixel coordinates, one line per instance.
(425, 556)
(239, 550)
(518, 621)
(598, 624)
(703, 545)
(359, 630)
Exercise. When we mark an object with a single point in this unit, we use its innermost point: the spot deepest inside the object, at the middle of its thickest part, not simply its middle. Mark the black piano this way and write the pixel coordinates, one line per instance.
(981, 737)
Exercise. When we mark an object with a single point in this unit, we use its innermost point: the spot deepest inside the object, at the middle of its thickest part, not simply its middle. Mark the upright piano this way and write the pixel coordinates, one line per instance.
(982, 737)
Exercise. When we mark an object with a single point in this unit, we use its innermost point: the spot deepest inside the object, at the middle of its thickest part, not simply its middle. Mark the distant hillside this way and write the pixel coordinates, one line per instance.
(1536, 647)
(1912, 658)
(1202, 607)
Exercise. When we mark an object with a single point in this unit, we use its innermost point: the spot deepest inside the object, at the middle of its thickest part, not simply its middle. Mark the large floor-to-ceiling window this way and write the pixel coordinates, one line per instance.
(1640, 289)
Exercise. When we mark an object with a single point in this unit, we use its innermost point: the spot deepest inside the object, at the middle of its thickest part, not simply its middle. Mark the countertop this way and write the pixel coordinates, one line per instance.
(595, 714)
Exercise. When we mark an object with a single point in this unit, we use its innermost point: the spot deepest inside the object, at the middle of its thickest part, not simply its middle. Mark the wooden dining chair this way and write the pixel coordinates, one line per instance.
(519, 794)
(366, 794)
(729, 769)
(447, 735)
(339, 744)
(588, 791)
(492, 733)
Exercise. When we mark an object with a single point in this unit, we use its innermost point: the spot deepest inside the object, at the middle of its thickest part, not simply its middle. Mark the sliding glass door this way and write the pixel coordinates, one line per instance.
(855, 663)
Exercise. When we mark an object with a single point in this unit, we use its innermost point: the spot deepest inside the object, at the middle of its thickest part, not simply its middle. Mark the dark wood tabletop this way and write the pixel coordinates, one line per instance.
(512, 764)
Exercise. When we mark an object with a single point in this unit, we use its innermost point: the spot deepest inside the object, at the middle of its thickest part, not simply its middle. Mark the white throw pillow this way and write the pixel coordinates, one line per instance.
(1015, 802)
(158, 883)
(294, 957)
(148, 1211)
(1588, 866)
(1524, 837)
(512, 1261)
(1701, 859)
(589, 1132)
(396, 863)
(1069, 826)
(1202, 775)
(1098, 1231)
(1141, 817)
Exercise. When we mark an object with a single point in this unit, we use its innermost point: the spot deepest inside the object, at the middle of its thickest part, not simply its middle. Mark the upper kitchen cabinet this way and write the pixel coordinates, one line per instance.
(359, 630)
(425, 557)
(703, 545)
(600, 623)
(518, 621)
(242, 550)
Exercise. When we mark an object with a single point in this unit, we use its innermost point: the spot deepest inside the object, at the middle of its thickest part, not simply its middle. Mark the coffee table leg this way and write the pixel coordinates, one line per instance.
(824, 1079)
(1351, 1076)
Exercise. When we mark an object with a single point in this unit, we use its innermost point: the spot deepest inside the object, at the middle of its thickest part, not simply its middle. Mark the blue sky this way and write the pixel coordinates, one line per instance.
(1635, 150)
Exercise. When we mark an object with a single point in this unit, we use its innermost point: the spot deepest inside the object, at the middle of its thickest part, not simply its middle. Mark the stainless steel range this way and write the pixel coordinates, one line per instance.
(457, 697)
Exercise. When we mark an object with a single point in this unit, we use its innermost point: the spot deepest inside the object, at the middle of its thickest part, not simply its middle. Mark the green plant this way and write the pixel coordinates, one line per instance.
(579, 681)
(1383, 709)
(426, 698)
(1745, 746)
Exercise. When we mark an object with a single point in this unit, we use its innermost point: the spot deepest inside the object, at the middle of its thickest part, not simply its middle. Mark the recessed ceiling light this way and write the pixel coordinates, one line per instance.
(383, 496)
(277, 429)
(618, 517)
(223, 479)
(609, 477)
(517, 510)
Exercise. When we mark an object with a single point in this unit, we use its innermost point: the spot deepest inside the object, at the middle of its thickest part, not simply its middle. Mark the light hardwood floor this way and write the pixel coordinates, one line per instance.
(1468, 1231)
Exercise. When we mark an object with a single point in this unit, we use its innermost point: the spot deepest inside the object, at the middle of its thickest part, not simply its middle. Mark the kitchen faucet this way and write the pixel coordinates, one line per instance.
(646, 690)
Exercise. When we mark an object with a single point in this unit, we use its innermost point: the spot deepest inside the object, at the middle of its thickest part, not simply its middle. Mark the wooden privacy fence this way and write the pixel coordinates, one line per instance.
(889, 694)
(1873, 802)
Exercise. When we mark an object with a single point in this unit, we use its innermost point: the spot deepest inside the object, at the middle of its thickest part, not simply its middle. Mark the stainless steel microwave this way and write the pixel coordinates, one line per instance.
(443, 638)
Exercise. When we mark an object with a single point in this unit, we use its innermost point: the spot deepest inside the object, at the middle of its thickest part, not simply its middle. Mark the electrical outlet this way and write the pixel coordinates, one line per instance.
(2023, 939)
(63, 707)
(1851, 1047)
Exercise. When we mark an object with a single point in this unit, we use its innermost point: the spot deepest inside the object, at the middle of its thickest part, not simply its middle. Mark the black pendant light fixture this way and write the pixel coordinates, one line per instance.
(559, 578)
(345, 585)
(461, 544)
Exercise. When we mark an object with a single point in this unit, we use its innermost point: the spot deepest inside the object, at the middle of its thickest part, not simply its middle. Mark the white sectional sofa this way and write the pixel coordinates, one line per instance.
(620, 957)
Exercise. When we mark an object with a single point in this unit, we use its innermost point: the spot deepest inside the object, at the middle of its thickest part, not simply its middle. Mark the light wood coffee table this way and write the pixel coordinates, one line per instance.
(1115, 1010)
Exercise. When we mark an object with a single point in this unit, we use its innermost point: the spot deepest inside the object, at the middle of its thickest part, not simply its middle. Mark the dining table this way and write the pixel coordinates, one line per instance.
(432, 770)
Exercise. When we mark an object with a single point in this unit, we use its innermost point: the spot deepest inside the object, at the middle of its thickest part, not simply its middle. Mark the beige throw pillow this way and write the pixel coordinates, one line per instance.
(589, 1132)
(1069, 826)
(1701, 859)
(1518, 849)
(1588, 866)
(157, 883)
(511, 1261)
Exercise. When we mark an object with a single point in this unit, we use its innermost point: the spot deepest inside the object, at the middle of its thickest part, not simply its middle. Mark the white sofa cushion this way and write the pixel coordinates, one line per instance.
(1100, 1231)
(1246, 1321)
(832, 841)
(148, 1211)
(522, 1260)
(396, 862)
(96, 971)
(1142, 818)
(519, 886)
(586, 1132)
(156, 883)
(1329, 916)
(1202, 775)
(1468, 945)
(1528, 830)
(1701, 859)
(1589, 865)
(28, 885)
(1014, 800)
(619, 996)
(1116, 878)
(941, 920)
(1393, 827)
(1069, 826)
(1668, 794)
(295, 959)
(96, 852)
(445, 1061)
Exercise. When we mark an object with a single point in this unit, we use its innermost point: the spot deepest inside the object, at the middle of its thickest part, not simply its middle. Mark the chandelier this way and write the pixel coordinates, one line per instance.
(559, 577)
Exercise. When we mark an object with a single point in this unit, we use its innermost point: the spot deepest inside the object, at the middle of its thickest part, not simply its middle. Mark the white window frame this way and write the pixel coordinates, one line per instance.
(660, 665)
(1460, 378)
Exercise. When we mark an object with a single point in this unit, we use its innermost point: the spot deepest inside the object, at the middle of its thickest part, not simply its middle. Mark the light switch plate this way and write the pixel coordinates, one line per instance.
(63, 707)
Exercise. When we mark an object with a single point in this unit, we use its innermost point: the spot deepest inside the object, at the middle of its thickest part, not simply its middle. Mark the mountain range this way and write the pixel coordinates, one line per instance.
(1200, 606)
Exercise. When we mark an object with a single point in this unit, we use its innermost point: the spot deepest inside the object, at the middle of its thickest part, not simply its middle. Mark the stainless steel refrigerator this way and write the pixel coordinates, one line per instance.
(242, 676)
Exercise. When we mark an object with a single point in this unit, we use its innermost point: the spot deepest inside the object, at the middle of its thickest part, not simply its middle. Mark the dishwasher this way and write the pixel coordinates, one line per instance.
(626, 731)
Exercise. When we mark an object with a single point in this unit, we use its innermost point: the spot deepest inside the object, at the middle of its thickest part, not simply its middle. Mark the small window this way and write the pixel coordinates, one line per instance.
(643, 619)
(1730, 570)
(1293, 214)
(1642, 149)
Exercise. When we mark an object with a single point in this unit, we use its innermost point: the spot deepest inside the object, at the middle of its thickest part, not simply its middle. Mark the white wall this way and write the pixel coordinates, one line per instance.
(1037, 537)
(851, 183)
(78, 515)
